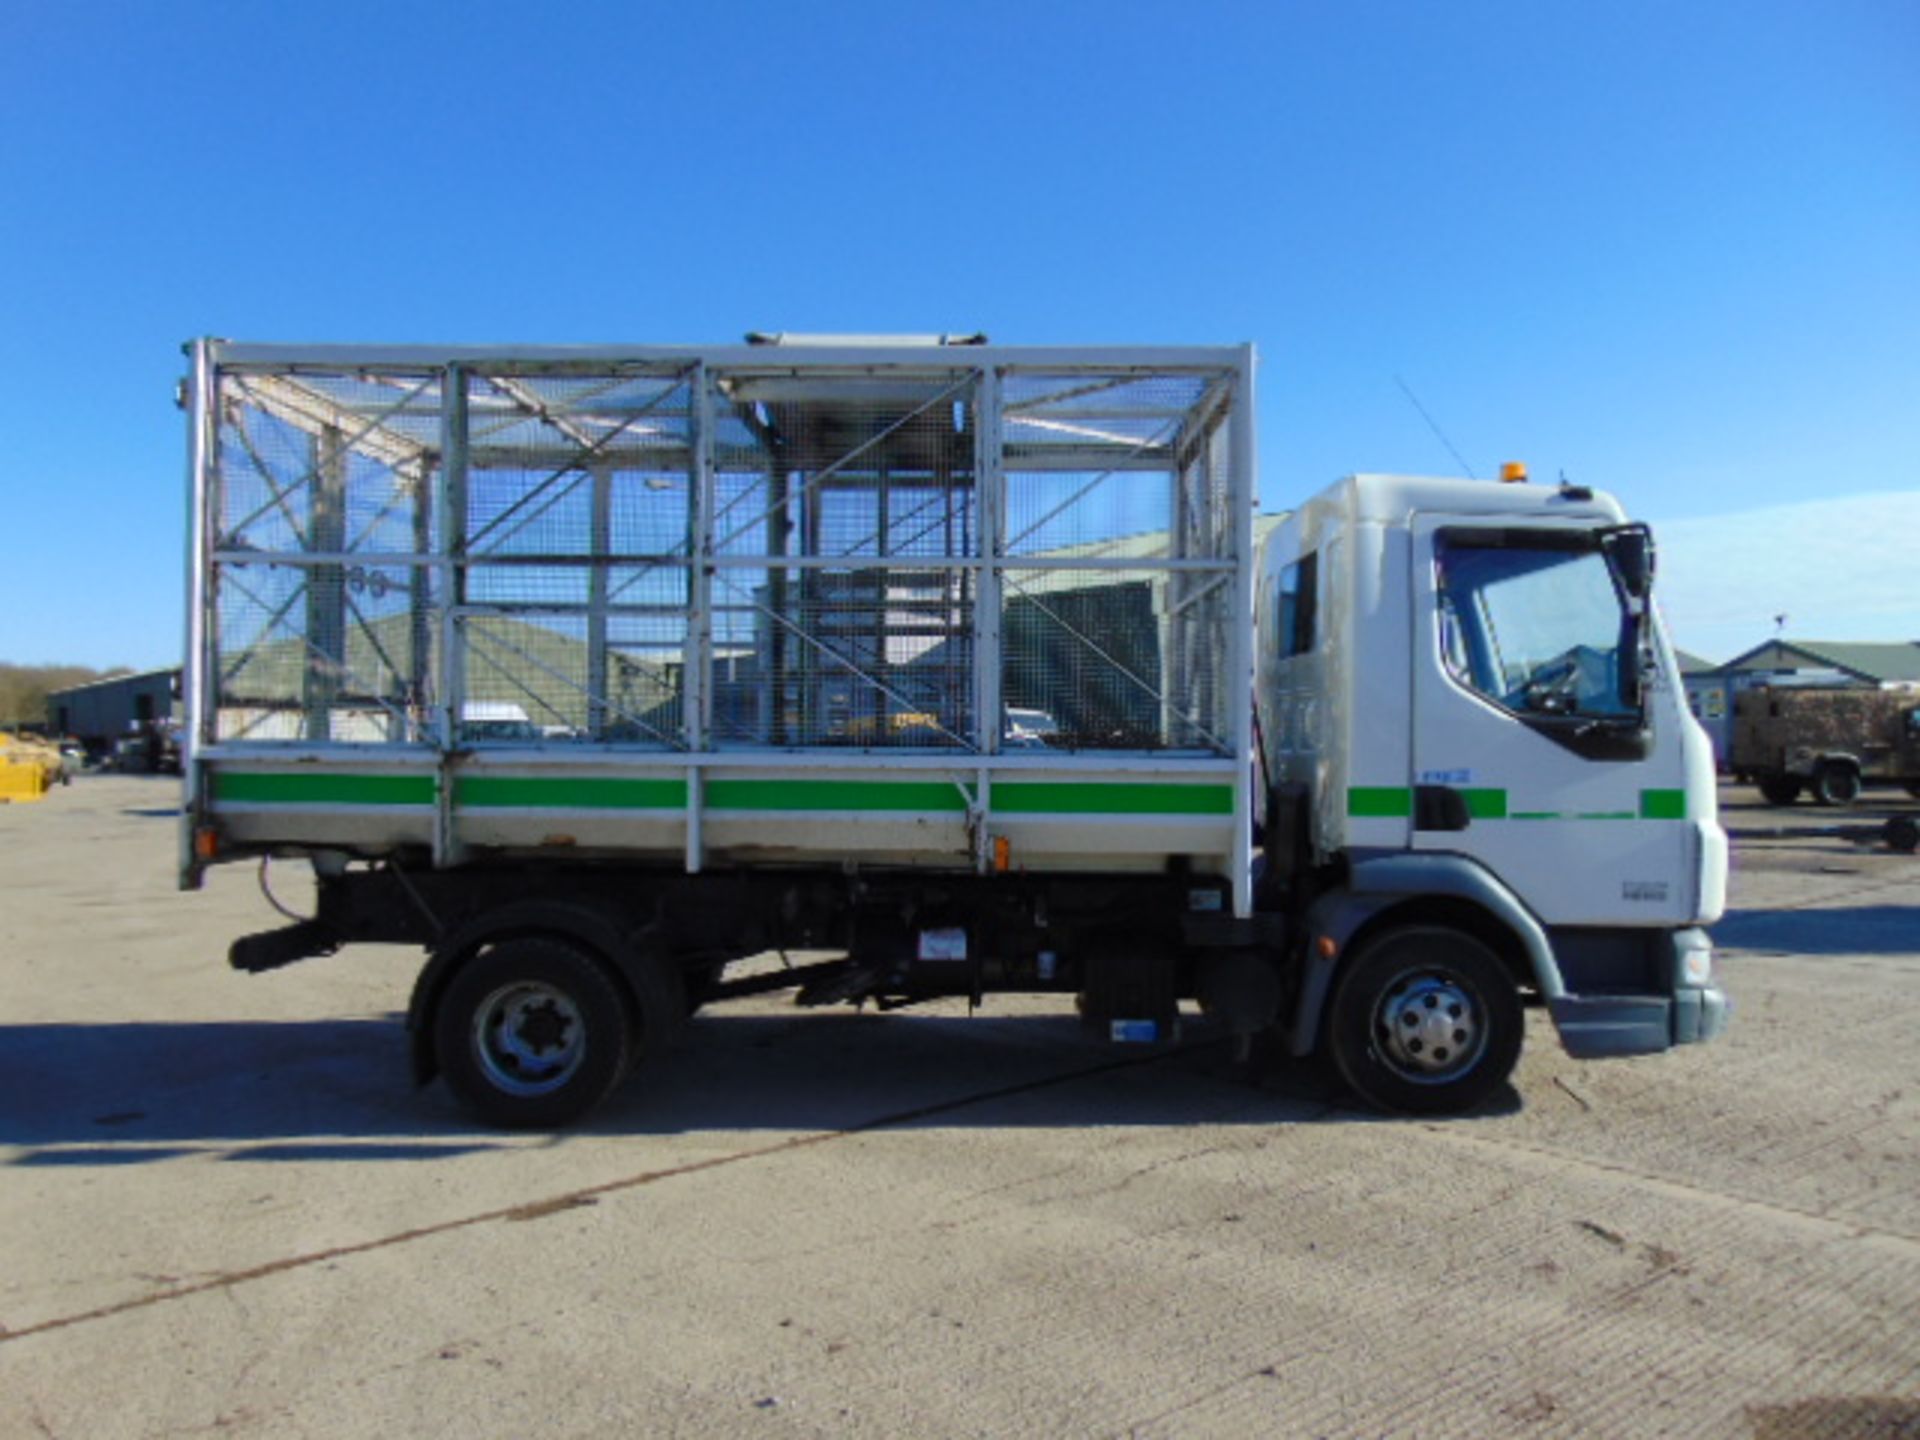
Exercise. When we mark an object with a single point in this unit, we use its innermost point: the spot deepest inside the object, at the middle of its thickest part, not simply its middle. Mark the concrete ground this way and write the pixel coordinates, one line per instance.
(226, 1211)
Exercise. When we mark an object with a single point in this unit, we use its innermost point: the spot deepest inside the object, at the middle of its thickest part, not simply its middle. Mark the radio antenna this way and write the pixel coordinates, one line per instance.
(1407, 390)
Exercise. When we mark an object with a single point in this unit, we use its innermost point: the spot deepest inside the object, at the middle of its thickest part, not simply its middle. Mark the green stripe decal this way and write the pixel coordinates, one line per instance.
(1663, 804)
(947, 798)
(1040, 797)
(577, 792)
(1390, 802)
(940, 795)
(1012, 797)
(573, 792)
(1380, 802)
(1486, 804)
(242, 787)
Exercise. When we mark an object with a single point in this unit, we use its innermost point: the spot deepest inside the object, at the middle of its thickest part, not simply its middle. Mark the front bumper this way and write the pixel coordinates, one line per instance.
(1598, 1027)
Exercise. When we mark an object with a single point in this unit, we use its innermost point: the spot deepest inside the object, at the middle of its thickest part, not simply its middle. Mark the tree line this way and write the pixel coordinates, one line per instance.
(23, 689)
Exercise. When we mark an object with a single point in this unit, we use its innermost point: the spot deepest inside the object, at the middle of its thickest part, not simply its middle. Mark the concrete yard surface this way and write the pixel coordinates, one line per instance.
(227, 1211)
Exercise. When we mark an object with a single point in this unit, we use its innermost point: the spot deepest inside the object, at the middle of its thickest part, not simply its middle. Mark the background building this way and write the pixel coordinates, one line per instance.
(104, 711)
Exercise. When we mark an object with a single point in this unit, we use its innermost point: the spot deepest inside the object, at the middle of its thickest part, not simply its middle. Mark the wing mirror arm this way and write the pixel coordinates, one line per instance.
(1630, 552)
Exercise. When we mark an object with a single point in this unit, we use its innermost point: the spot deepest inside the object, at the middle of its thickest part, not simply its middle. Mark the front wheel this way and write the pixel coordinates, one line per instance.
(1779, 789)
(1425, 1020)
(532, 1033)
(1836, 785)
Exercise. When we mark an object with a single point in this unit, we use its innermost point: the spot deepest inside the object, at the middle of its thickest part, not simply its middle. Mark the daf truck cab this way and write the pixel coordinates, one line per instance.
(1483, 785)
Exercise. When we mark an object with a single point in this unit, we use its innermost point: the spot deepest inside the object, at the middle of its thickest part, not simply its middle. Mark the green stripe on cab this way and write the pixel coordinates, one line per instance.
(1663, 804)
(1486, 804)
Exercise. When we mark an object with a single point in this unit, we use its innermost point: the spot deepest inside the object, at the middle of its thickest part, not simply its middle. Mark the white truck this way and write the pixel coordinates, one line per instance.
(957, 663)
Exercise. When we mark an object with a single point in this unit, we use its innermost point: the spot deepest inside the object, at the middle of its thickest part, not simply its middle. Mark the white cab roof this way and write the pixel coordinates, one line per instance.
(1390, 499)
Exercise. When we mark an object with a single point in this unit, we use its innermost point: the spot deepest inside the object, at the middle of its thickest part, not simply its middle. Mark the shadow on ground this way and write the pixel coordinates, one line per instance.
(1841, 930)
(132, 1093)
(124, 1094)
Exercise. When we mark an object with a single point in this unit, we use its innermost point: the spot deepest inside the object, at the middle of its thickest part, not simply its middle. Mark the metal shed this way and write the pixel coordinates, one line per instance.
(103, 711)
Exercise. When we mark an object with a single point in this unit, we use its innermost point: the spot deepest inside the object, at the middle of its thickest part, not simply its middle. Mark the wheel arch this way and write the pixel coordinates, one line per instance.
(1395, 892)
(1452, 913)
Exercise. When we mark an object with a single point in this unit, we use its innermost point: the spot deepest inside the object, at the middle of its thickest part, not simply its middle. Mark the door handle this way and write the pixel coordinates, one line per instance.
(1439, 807)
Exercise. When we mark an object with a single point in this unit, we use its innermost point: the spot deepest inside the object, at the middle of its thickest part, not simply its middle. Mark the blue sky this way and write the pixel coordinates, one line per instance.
(1670, 249)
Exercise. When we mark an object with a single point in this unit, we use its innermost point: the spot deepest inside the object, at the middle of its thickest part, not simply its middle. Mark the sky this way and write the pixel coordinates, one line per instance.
(1667, 250)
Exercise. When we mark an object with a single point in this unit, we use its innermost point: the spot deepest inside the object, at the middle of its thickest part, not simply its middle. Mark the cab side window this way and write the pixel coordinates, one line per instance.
(1298, 619)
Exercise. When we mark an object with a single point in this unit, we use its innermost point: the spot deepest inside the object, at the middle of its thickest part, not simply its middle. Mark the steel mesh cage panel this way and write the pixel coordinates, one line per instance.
(878, 658)
(323, 653)
(641, 697)
(574, 581)
(326, 464)
(685, 553)
(322, 519)
(577, 465)
(1201, 601)
(1090, 661)
(843, 467)
(845, 511)
(1118, 591)
(1093, 459)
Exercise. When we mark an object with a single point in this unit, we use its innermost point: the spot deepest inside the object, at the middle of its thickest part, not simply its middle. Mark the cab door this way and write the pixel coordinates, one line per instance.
(1535, 754)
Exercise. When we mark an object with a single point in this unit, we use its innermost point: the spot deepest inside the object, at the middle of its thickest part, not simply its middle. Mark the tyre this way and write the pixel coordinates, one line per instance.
(1913, 788)
(1903, 834)
(1779, 789)
(1836, 785)
(533, 1032)
(1425, 1020)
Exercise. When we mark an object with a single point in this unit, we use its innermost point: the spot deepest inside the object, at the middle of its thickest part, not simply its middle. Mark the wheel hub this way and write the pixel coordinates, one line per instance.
(529, 1038)
(541, 1027)
(1429, 1027)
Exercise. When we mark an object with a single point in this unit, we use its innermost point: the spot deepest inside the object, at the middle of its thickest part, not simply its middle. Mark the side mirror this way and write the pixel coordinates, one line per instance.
(1629, 549)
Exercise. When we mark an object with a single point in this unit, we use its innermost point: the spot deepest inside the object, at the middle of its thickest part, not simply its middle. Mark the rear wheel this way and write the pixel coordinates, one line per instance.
(1779, 789)
(1425, 1019)
(533, 1032)
(1836, 785)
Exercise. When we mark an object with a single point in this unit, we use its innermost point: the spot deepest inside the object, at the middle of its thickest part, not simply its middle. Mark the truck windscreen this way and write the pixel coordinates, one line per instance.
(1537, 624)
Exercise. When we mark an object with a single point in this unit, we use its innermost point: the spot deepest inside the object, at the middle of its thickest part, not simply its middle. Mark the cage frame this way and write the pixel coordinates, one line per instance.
(982, 372)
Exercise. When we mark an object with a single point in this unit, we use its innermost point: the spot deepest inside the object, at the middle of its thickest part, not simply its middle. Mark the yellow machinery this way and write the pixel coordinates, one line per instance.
(28, 767)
